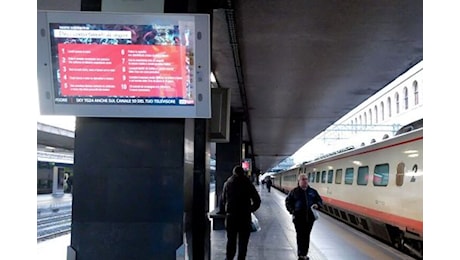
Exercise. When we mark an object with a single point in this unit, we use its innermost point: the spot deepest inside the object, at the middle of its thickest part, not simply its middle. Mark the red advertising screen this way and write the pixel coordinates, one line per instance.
(124, 65)
(122, 70)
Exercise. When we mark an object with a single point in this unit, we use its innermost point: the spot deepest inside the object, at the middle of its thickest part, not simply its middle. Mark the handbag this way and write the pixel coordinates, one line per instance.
(254, 223)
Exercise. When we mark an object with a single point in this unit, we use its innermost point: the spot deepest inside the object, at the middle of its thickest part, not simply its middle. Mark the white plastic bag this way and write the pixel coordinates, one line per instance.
(254, 223)
(315, 213)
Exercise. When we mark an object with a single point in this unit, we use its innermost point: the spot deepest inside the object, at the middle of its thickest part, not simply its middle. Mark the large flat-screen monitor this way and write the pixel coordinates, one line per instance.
(98, 64)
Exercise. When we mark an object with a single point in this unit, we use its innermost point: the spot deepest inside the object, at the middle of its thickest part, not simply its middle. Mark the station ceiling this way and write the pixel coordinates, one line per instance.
(298, 66)
(295, 67)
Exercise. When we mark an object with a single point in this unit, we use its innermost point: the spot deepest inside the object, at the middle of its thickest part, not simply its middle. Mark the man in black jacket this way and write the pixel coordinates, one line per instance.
(269, 183)
(239, 199)
(299, 203)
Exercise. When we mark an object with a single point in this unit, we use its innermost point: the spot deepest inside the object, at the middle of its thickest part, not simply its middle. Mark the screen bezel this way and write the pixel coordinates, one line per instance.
(202, 106)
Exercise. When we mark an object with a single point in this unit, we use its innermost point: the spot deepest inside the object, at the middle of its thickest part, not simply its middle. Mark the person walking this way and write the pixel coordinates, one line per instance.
(299, 203)
(269, 183)
(239, 199)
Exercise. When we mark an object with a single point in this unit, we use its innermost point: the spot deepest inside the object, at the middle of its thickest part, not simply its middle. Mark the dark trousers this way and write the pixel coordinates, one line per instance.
(238, 229)
(303, 229)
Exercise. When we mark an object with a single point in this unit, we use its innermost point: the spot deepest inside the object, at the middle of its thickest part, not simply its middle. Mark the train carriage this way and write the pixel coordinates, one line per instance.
(377, 188)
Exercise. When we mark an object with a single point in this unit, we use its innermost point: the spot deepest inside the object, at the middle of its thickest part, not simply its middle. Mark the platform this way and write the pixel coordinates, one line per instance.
(277, 238)
(330, 239)
(47, 201)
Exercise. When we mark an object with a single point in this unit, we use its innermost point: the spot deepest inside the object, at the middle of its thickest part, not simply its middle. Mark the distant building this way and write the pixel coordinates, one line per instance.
(379, 117)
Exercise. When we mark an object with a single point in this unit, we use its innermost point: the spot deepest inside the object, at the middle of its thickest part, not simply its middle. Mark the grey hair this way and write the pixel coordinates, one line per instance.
(300, 176)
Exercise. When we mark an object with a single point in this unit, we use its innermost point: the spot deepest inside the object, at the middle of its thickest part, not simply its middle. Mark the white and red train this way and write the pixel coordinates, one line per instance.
(377, 188)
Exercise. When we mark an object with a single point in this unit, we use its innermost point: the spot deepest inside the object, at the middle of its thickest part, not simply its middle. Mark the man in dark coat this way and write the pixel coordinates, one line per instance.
(269, 183)
(299, 203)
(239, 199)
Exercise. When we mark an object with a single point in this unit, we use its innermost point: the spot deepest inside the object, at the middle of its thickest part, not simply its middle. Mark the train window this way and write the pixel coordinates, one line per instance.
(293, 178)
(400, 174)
(363, 175)
(312, 177)
(349, 176)
(381, 174)
(318, 176)
(338, 176)
(323, 177)
(330, 176)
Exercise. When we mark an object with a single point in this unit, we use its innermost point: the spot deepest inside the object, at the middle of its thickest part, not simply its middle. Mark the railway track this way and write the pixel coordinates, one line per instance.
(53, 222)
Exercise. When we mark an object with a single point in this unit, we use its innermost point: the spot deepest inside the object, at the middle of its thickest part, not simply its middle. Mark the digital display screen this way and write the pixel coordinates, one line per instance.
(124, 64)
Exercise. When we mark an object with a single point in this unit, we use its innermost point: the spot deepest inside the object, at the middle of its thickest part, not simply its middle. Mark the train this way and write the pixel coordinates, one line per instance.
(49, 172)
(377, 188)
